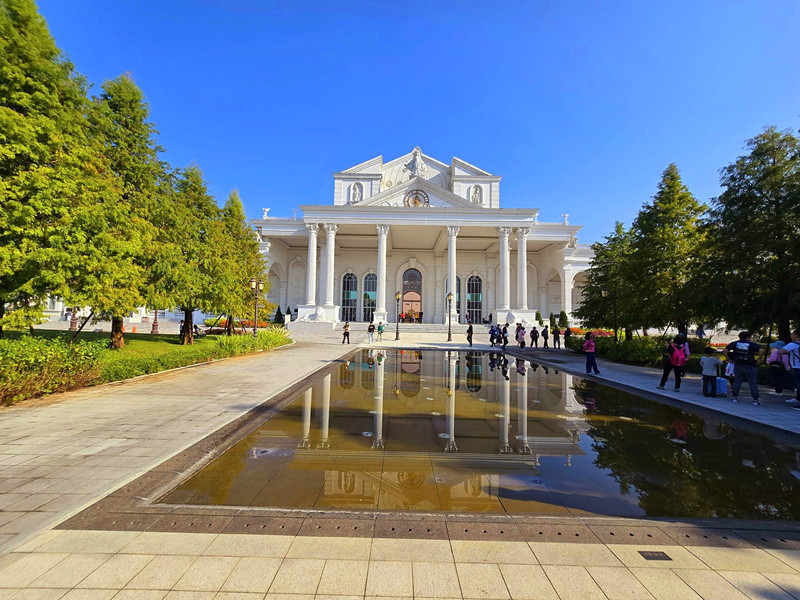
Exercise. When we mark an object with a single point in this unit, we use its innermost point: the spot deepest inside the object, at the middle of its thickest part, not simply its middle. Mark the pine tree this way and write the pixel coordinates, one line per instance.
(48, 170)
(563, 321)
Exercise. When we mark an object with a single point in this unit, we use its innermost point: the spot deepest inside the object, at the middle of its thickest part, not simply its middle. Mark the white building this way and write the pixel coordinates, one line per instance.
(421, 228)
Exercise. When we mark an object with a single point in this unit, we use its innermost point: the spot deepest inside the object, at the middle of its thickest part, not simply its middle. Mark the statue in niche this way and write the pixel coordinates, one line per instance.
(573, 241)
(355, 197)
(476, 194)
(416, 166)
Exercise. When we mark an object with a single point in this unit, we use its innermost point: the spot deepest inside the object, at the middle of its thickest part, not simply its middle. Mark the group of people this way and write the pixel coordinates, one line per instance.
(498, 336)
(372, 329)
(741, 366)
(498, 360)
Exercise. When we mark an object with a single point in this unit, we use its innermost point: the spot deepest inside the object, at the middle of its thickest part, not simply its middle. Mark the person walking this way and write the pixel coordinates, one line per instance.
(371, 331)
(674, 361)
(492, 335)
(346, 333)
(545, 337)
(589, 348)
(504, 335)
(792, 350)
(469, 335)
(778, 365)
(556, 338)
(745, 366)
(710, 368)
(521, 336)
(567, 335)
(380, 331)
(534, 337)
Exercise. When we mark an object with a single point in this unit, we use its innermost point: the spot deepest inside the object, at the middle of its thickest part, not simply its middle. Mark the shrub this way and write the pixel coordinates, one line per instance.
(563, 322)
(539, 318)
(35, 366)
(278, 318)
(552, 321)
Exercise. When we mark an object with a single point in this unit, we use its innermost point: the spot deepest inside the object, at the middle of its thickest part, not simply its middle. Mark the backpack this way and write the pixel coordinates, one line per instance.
(678, 357)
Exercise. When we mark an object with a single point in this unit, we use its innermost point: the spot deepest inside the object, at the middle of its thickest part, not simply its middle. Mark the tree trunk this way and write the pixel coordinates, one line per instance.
(784, 330)
(229, 325)
(628, 334)
(2, 314)
(187, 335)
(117, 338)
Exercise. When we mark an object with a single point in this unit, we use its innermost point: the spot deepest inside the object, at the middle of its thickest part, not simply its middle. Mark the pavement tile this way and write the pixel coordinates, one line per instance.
(69, 572)
(343, 577)
(664, 584)
(468, 551)
(20, 572)
(208, 573)
(710, 585)
(527, 582)
(116, 572)
(140, 595)
(40, 540)
(594, 555)
(681, 557)
(80, 541)
(741, 559)
(756, 585)
(89, 595)
(790, 557)
(252, 575)
(618, 583)
(161, 573)
(788, 583)
(435, 580)
(416, 550)
(38, 594)
(195, 595)
(355, 548)
(156, 542)
(239, 596)
(481, 581)
(231, 544)
(573, 583)
(297, 576)
(390, 578)
(29, 522)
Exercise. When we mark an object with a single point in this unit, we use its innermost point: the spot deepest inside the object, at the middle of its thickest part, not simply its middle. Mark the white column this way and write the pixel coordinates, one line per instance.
(330, 248)
(452, 233)
(311, 271)
(505, 416)
(566, 294)
(522, 267)
(377, 439)
(380, 301)
(505, 271)
(522, 415)
(325, 415)
(451, 404)
(306, 420)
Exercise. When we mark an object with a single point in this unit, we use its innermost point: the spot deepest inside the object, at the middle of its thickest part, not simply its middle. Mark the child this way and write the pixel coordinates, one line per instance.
(709, 364)
(589, 348)
(778, 366)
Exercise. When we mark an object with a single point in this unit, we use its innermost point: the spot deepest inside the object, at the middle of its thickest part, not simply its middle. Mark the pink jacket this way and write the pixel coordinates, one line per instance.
(588, 345)
(775, 357)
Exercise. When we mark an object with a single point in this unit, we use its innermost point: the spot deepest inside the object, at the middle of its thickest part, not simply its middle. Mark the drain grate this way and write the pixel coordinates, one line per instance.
(654, 555)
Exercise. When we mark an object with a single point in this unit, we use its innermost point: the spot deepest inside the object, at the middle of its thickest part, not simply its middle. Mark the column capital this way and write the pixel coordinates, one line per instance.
(522, 233)
(312, 228)
(504, 232)
(331, 228)
(452, 230)
(382, 229)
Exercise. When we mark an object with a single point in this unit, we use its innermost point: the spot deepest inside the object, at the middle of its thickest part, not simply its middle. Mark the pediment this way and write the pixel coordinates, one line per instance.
(462, 167)
(438, 197)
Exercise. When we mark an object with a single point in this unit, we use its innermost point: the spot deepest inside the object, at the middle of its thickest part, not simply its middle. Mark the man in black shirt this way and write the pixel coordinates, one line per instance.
(745, 366)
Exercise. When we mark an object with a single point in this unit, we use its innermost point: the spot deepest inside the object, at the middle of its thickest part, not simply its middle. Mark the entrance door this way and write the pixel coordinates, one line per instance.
(412, 294)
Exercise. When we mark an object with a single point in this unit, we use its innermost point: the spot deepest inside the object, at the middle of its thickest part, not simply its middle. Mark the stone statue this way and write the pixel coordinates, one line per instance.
(265, 216)
(476, 194)
(319, 314)
(356, 195)
(573, 241)
(566, 218)
(416, 166)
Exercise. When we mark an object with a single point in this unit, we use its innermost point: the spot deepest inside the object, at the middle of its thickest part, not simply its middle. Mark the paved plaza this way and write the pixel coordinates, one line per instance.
(62, 454)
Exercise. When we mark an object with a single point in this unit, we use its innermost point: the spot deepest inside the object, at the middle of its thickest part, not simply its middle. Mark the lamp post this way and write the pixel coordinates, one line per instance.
(256, 286)
(604, 292)
(397, 315)
(449, 316)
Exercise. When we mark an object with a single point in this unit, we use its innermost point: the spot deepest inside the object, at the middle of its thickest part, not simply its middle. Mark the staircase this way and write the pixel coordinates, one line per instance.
(421, 328)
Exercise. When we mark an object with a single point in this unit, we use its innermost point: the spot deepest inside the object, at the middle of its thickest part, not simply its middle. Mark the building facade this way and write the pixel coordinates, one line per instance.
(400, 236)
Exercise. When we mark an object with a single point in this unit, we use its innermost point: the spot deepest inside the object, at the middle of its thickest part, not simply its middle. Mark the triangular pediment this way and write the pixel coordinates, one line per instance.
(462, 167)
(373, 165)
(436, 195)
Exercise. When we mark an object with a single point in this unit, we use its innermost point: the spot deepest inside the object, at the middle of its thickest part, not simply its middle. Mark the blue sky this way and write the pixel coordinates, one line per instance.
(580, 106)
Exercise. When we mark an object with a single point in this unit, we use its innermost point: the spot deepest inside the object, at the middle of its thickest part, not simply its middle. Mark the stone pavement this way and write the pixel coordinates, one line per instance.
(60, 454)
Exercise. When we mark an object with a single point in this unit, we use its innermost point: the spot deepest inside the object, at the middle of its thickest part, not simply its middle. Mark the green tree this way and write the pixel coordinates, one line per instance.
(750, 275)
(563, 322)
(243, 262)
(48, 168)
(552, 321)
(115, 280)
(667, 235)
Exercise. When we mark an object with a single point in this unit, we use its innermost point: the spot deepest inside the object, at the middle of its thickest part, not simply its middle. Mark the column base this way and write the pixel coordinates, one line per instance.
(380, 316)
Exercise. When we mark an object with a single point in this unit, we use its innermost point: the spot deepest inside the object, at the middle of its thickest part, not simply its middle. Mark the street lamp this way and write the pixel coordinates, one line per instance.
(397, 296)
(604, 292)
(256, 286)
(449, 316)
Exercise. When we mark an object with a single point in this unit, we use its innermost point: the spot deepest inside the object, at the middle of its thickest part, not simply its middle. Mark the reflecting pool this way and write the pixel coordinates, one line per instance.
(482, 432)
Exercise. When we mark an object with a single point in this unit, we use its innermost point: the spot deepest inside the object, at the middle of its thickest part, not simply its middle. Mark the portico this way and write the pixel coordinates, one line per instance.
(419, 237)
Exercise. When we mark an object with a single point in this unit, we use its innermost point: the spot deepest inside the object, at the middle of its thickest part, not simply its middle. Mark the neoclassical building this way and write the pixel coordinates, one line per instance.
(421, 228)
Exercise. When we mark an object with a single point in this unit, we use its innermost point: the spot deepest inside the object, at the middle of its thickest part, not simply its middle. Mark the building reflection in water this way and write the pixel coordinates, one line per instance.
(406, 430)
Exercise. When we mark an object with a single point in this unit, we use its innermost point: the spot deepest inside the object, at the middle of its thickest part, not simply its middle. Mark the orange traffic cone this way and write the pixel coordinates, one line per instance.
(133, 329)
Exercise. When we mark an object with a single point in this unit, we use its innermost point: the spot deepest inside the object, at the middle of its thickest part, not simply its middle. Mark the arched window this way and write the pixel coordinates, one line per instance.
(349, 296)
(458, 294)
(367, 368)
(474, 371)
(475, 298)
(370, 295)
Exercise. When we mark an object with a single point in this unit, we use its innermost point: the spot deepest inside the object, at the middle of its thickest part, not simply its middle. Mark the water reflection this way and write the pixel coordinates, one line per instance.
(403, 431)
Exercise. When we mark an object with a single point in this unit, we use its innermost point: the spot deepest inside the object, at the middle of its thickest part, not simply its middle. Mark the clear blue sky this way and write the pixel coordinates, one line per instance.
(578, 105)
